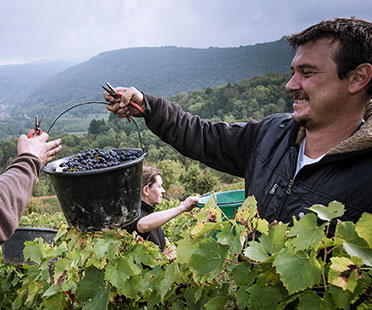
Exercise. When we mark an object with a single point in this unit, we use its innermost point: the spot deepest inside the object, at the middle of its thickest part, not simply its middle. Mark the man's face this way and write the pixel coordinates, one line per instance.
(318, 93)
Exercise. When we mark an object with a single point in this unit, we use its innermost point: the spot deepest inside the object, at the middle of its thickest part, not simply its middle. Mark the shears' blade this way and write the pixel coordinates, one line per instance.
(39, 120)
(111, 91)
(36, 121)
(109, 86)
(106, 89)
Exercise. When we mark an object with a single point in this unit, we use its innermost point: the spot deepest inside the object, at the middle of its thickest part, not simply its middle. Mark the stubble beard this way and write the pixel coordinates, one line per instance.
(303, 121)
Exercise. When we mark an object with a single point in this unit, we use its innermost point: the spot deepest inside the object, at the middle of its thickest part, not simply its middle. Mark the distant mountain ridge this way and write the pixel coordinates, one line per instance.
(161, 71)
(18, 81)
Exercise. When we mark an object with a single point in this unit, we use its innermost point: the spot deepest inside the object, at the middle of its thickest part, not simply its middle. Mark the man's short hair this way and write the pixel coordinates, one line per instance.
(354, 36)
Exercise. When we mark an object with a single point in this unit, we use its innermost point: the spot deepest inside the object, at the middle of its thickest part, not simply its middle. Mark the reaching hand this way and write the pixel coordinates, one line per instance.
(189, 203)
(39, 147)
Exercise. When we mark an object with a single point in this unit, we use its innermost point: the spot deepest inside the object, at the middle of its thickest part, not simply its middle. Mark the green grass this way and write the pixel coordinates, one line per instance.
(43, 205)
(79, 126)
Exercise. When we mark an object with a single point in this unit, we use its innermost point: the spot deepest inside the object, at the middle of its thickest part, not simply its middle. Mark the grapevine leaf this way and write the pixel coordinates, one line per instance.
(60, 268)
(347, 232)
(32, 251)
(32, 293)
(229, 238)
(52, 290)
(310, 301)
(198, 292)
(145, 283)
(210, 213)
(92, 283)
(307, 232)
(243, 296)
(131, 287)
(33, 272)
(354, 245)
(112, 250)
(170, 276)
(298, 271)
(62, 248)
(56, 302)
(185, 249)
(343, 273)
(256, 251)
(262, 226)
(364, 228)
(343, 299)
(217, 302)
(99, 301)
(363, 253)
(208, 258)
(178, 305)
(334, 210)
(247, 211)
(264, 297)
(202, 228)
(136, 268)
(243, 274)
(101, 247)
(118, 271)
(274, 241)
(153, 300)
(142, 254)
(21, 297)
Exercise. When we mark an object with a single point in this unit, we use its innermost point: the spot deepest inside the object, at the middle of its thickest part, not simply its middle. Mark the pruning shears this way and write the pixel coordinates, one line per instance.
(37, 130)
(114, 93)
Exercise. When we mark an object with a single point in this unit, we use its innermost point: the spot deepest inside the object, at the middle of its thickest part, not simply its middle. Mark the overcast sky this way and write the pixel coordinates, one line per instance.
(33, 30)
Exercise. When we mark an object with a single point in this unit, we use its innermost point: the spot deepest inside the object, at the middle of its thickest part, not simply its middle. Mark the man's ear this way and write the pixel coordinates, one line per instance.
(360, 78)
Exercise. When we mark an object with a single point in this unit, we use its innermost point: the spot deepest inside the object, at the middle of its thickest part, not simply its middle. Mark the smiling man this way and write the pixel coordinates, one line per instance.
(320, 153)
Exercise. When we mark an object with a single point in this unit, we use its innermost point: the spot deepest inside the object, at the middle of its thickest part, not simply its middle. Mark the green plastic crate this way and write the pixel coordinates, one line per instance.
(228, 201)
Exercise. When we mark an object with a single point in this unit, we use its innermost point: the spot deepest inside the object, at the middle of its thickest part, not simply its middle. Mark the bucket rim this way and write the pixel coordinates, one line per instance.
(208, 195)
(55, 163)
(36, 229)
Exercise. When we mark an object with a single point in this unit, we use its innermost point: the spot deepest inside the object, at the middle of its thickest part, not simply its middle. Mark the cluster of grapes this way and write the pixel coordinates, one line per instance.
(97, 159)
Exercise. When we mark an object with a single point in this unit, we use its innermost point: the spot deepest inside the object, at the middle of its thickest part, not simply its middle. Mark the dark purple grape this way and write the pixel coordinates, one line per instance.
(97, 159)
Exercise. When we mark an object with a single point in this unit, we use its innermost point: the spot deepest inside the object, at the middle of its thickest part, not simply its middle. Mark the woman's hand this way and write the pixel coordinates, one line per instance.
(189, 203)
(159, 218)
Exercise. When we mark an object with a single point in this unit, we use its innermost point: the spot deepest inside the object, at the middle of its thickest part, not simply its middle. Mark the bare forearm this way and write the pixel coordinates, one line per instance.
(157, 219)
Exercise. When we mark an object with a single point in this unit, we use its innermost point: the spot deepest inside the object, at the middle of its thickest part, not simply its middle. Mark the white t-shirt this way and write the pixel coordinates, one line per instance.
(302, 159)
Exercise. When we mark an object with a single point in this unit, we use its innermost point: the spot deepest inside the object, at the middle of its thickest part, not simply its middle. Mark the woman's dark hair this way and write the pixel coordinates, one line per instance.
(149, 176)
(354, 36)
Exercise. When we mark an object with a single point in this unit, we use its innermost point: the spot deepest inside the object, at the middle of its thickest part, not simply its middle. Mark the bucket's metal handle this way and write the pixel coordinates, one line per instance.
(139, 134)
(99, 102)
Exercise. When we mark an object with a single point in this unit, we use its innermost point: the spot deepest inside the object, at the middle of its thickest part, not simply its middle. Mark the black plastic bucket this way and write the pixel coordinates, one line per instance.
(12, 249)
(102, 198)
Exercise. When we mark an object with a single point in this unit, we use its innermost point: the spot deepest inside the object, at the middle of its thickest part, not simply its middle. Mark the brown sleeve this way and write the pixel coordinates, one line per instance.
(16, 186)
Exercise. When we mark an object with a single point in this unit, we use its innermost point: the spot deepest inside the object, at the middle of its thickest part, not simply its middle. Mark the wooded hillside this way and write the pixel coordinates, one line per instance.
(162, 71)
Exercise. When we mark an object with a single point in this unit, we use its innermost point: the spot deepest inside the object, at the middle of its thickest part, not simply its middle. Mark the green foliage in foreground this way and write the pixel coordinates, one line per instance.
(213, 265)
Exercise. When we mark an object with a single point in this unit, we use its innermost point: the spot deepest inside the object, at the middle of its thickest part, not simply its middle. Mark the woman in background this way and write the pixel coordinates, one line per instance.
(149, 223)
